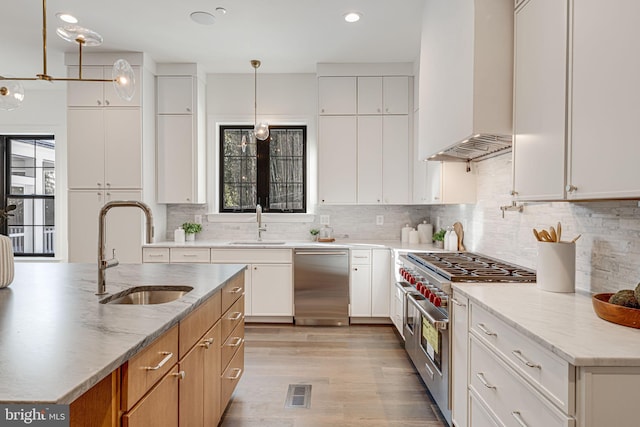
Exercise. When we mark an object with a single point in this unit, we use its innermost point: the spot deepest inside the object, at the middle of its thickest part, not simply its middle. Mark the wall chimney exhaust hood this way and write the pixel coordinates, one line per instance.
(466, 80)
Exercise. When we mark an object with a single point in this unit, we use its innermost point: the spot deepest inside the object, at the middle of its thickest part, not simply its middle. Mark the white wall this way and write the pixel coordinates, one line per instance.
(44, 111)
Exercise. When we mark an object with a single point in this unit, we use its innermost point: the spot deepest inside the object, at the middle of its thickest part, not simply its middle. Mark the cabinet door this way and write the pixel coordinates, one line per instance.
(247, 289)
(85, 94)
(123, 148)
(540, 100)
(360, 291)
(370, 160)
(272, 290)
(605, 93)
(159, 407)
(337, 161)
(460, 351)
(396, 94)
(175, 159)
(433, 192)
(85, 148)
(369, 95)
(380, 282)
(337, 95)
(83, 224)
(175, 95)
(124, 231)
(191, 387)
(211, 375)
(395, 155)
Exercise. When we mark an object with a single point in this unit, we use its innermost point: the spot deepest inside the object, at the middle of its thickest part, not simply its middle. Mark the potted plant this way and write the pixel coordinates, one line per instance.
(314, 234)
(6, 250)
(438, 238)
(190, 230)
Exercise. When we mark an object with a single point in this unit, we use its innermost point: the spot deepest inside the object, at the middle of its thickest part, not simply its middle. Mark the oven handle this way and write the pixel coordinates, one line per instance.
(438, 324)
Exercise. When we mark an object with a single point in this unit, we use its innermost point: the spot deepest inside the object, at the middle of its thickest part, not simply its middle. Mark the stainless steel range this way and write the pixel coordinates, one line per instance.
(425, 279)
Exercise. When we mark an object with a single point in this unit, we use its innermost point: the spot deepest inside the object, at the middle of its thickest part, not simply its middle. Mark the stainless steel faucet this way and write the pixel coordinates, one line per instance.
(104, 263)
(259, 221)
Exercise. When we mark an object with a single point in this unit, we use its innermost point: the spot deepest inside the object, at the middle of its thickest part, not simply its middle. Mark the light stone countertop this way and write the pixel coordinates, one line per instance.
(57, 340)
(564, 323)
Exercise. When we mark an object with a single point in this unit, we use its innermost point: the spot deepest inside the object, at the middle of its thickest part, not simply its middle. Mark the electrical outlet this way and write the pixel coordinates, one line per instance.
(197, 219)
(324, 219)
(379, 219)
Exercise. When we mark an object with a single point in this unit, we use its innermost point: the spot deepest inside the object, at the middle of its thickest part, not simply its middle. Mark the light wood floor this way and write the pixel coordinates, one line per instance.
(360, 376)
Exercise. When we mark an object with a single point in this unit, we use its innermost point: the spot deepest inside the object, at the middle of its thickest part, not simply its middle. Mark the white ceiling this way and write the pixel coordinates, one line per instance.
(288, 36)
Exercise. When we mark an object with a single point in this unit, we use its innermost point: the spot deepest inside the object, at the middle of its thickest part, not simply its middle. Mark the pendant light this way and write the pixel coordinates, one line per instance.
(260, 130)
(123, 79)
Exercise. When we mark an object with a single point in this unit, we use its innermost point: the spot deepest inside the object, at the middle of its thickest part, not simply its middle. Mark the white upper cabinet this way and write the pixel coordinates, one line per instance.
(176, 95)
(370, 97)
(383, 95)
(92, 94)
(540, 100)
(337, 95)
(337, 159)
(370, 160)
(450, 183)
(396, 170)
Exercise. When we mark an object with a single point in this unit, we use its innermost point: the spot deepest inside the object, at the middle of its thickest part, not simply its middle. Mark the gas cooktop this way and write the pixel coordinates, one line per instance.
(472, 267)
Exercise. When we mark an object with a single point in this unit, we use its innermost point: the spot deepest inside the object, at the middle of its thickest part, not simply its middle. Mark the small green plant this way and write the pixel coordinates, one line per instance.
(191, 227)
(314, 231)
(5, 213)
(439, 235)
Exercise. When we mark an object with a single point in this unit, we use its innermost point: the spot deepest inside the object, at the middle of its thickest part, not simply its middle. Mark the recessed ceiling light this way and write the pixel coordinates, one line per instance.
(221, 10)
(65, 17)
(352, 17)
(203, 18)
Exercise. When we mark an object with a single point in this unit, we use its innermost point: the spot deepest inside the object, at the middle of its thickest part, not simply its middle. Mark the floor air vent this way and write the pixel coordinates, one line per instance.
(298, 396)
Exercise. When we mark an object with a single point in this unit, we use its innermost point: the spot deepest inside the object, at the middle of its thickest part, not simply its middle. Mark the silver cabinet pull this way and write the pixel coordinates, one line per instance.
(167, 356)
(155, 255)
(236, 376)
(484, 382)
(456, 302)
(238, 341)
(235, 316)
(485, 330)
(235, 290)
(180, 375)
(429, 371)
(207, 343)
(189, 255)
(519, 419)
(520, 357)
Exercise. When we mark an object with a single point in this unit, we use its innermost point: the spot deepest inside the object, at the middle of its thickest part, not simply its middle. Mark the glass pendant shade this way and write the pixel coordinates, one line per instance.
(78, 34)
(261, 131)
(11, 94)
(124, 80)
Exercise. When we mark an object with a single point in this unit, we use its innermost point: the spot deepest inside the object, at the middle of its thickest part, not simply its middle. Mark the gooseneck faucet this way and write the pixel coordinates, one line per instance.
(259, 221)
(104, 263)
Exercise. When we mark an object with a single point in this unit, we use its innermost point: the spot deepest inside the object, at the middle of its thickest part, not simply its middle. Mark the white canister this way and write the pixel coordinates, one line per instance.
(178, 235)
(453, 240)
(405, 233)
(556, 270)
(414, 237)
(426, 232)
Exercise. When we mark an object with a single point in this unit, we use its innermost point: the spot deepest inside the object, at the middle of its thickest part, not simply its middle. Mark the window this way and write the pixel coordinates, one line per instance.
(28, 181)
(271, 173)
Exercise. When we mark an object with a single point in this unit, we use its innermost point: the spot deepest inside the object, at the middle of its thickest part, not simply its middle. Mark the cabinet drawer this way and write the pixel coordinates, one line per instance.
(155, 255)
(159, 407)
(545, 370)
(231, 376)
(232, 318)
(508, 395)
(479, 414)
(231, 345)
(251, 256)
(144, 369)
(360, 257)
(198, 322)
(190, 255)
(232, 291)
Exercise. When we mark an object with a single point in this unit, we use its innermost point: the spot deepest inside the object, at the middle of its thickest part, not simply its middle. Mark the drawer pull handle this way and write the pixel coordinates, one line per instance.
(484, 382)
(429, 371)
(167, 356)
(207, 343)
(235, 290)
(485, 330)
(236, 376)
(519, 419)
(520, 357)
(235, 316)
(189, 255)
(238, 341)
(456, 302)
(180, 375)
(155, 255)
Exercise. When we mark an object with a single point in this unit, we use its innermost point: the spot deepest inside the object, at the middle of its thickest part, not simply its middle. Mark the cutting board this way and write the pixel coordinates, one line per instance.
(457, 227)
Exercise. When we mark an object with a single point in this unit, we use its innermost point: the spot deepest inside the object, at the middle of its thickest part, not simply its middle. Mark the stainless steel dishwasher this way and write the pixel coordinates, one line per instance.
(321, 287)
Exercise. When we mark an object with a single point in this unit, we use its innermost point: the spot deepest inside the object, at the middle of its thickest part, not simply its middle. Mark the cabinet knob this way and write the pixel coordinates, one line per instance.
(106, 102)
(571, 188)
(99, 102)
(386, 109)
(188, 109)
(514, 193)
(180, 375)
(322, 110)
(379, 110)
(99, 184)
(355, 269)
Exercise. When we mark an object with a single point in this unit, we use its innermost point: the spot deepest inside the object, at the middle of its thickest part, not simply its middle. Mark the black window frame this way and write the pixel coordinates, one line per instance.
(5, 185)
(263, 170)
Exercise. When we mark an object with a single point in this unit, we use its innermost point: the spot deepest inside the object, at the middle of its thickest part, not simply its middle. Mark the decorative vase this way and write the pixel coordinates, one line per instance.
(190, 237)
(439, 244)
(6, 261)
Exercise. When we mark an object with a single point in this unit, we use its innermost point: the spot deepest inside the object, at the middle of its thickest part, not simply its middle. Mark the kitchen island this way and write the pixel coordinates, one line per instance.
(58, 340)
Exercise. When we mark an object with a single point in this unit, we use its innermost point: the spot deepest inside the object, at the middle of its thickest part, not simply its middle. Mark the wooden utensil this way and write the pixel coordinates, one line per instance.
(552, 233)
(545, 236)
(559, 231)
(535, 233)
(457, 227)
(576, 238)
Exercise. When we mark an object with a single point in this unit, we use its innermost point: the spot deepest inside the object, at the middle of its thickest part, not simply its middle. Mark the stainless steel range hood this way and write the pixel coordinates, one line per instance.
(475, 148)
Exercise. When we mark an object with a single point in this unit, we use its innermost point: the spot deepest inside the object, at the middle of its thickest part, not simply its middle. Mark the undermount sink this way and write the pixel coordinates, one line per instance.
(257, 243)
(145, 295)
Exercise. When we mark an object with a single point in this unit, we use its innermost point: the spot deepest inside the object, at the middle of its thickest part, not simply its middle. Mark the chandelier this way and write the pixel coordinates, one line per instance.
(122, 77)
(260, 130)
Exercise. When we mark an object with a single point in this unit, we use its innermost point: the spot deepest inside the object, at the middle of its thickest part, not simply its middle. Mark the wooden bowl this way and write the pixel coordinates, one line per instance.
(624, 316)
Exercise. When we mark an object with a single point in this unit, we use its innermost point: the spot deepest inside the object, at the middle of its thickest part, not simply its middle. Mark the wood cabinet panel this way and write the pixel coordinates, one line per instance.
(232, 317)
(231, 376)
(231, 345)
(194, 326)
(190, 388)
(98, 407)
(211, 374)
(159, 408)
(232, 291)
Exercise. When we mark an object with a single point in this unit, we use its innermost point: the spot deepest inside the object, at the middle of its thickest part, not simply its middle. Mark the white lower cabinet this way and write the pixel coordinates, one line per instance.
(460, 359)
(370, 278)
(479, 413)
